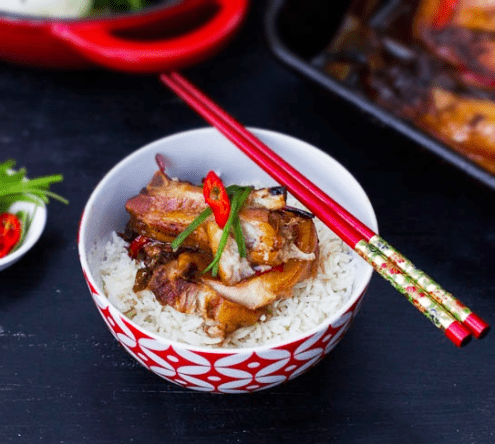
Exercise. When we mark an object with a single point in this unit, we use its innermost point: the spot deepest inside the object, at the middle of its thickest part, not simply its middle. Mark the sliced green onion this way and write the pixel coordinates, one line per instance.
(237, 201)
(232, 189)
(191, 227)
(200, 219)
(237, 228)
(214, 264)
(239, 237)
(15, 183)
(238, 196)
(16, 187)
(25, 219)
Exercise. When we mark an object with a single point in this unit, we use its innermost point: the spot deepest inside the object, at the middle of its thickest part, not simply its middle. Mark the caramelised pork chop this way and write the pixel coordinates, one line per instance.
(281, 250)
(178, 284)
(166, 207)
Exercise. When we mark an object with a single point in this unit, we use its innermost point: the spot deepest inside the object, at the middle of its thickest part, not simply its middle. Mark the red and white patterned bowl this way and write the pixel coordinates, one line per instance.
(190, 156)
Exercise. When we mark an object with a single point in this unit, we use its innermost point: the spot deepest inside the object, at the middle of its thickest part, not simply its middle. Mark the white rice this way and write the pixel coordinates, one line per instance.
(313, 301)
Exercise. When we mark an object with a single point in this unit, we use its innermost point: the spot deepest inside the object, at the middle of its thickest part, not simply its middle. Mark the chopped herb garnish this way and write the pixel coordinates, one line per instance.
(237, 201)
(239, 237)
(16, 187)
(191, 227)
(25, 220)
(237, 196)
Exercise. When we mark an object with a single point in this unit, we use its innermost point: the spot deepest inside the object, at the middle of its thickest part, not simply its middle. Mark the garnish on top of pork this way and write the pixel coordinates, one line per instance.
(281, 250)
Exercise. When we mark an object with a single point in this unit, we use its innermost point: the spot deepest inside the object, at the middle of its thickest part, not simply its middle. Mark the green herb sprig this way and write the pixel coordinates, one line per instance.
(237, 196)
(176, 243)
(236, 203)
(16, 187)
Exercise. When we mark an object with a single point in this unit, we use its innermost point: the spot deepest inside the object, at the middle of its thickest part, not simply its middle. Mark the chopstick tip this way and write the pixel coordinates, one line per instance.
(458, 334)
(477, 326)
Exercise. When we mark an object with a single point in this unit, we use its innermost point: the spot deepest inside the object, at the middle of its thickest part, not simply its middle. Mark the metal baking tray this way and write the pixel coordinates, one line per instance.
(299, 31)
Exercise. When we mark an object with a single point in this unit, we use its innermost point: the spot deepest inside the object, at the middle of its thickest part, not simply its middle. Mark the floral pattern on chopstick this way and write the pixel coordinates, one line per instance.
(456, 308)
(405, 285)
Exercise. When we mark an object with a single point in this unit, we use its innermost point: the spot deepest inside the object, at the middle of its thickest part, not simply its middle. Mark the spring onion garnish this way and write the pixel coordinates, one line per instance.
(239, 237)
(191, 227)
(16, 187)
(237, 196)
(238, 200)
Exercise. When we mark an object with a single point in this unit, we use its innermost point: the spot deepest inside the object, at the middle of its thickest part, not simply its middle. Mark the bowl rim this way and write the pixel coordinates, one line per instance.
(357, 293)
(39, 214)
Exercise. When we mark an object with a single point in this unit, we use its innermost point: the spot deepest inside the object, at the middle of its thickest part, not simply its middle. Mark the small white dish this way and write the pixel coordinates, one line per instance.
(35, 229)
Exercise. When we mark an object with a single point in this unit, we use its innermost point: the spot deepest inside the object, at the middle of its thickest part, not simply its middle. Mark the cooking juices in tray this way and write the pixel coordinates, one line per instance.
(431, 62)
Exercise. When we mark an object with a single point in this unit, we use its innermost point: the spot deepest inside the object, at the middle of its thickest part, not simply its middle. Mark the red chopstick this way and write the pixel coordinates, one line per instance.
(327, 210)
(446, 312)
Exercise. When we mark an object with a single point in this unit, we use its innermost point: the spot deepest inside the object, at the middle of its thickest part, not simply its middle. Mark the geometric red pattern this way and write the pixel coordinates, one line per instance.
(237, 371)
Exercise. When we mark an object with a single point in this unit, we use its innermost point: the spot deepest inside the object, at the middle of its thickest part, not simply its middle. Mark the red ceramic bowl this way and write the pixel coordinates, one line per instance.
(219, 370)
(170, 36)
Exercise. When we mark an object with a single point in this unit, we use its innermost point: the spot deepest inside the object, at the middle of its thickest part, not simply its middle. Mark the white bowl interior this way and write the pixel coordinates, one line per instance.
(36, 228)
(190, 155)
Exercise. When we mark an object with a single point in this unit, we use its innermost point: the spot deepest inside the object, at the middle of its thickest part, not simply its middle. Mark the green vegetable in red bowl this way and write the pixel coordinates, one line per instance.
(112, 6)
(72, 8)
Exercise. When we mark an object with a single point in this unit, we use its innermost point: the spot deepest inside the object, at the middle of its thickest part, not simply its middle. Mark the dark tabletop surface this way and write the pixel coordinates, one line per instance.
(394, 378)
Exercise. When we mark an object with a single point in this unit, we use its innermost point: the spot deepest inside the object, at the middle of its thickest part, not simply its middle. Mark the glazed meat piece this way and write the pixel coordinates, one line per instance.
(463, 120)
(300, 263)
(171, 195)
(180, 284)
(467, 123)
(166, 207)
(232, 267)
(177, 284)
(281, 249)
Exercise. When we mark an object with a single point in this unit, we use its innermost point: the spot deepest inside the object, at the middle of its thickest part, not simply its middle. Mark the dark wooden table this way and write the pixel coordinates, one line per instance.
(393, 379)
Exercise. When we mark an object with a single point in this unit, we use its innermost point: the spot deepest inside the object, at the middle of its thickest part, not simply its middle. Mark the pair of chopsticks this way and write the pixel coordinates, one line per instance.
(447, 313)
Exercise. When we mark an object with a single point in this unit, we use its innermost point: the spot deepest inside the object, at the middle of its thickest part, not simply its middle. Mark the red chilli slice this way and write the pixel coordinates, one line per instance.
(217, 198)
(137, 244)
(10, 232)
